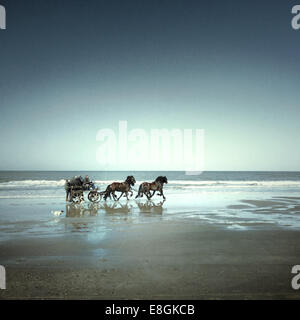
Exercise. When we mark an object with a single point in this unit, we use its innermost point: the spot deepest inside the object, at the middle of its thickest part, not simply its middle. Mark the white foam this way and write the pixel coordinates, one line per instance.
(28, 183)
(235, 183)
(186, 184)
(26, 196)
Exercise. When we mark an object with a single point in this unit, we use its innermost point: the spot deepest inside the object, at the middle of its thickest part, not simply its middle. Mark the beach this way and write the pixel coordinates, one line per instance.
(196, 102)
(195, 245)
(154, 261)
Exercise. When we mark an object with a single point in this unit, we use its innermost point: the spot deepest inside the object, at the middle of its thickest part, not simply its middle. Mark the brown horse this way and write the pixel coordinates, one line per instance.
(123, 187)
(157, 185)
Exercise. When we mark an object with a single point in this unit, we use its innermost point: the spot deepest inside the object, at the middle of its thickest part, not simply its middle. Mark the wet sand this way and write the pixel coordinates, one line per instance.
(156, 250)
(159, 260)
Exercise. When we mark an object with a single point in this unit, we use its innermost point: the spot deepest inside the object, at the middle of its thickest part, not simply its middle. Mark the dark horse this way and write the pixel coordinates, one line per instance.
(123, 187)
(154, 186)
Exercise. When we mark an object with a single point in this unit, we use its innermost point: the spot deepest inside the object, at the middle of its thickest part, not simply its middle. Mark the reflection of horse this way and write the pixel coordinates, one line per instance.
(77, 210)
(79, 217)
(149, 206)
(115, 207)
(123, 187)
(157, 185)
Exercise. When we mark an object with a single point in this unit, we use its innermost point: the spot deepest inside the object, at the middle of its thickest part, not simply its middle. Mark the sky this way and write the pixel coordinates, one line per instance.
(71, 68)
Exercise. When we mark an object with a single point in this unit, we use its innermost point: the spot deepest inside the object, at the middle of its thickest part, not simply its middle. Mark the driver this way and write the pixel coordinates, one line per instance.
(87, 179)
(88, 182)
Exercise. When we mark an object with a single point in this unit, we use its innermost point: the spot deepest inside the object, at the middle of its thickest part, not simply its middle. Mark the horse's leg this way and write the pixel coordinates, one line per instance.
(148, 195)
(152, 193)
(140, 194)
(114, 196)
(131, 194)
(109, 194)
(120, 196)
(162, 194)
(129, 191)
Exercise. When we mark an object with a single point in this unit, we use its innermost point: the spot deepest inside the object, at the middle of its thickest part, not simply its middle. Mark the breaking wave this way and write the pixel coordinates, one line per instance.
(45, 184)
(32, 183)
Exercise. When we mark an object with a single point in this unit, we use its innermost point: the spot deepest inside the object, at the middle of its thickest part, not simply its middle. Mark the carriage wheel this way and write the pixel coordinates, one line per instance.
(94, 196)
(77, 197)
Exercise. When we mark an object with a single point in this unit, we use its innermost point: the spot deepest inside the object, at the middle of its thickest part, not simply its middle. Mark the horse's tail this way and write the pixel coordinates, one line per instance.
(140, 191)
(107, 192)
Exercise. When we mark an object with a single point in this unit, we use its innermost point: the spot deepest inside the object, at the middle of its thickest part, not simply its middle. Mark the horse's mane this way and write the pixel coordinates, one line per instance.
(130, 179)
(161, 179)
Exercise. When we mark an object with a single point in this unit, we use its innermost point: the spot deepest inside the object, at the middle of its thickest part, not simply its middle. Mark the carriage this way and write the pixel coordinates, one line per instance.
(76, 187)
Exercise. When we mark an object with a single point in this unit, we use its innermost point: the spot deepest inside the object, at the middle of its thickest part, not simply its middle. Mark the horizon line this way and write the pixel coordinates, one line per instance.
(29, 170)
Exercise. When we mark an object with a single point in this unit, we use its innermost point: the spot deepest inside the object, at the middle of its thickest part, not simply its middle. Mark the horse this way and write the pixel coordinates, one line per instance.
(157, 185)
(123, 187)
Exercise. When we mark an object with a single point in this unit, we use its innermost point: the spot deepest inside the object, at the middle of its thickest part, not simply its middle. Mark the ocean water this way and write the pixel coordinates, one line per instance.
(237, 200)
(49, 184)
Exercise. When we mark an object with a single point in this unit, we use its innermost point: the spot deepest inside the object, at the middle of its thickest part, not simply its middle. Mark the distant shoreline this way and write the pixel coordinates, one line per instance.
(258, 171)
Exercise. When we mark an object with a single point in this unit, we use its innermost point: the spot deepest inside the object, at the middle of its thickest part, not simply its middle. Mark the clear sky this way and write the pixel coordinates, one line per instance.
(70, 68)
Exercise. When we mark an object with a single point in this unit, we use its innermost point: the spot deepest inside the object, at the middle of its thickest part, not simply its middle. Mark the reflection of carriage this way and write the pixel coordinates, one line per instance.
(76, 187)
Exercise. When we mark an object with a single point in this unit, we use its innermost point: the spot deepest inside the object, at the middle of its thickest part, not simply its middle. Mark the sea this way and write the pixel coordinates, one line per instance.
(50, 184)
(234, 199)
